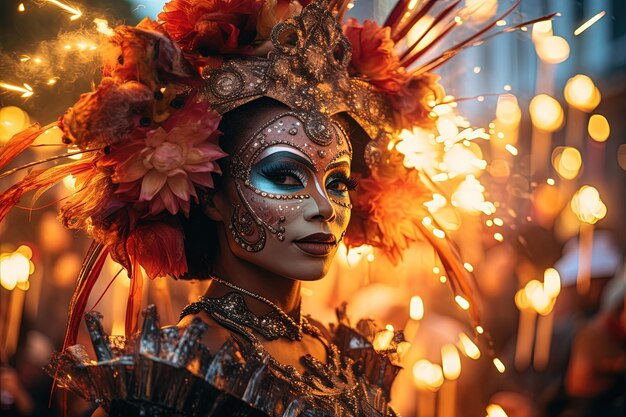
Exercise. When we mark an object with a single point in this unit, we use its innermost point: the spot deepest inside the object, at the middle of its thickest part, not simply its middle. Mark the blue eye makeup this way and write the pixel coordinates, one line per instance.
(279, 174)
(285, 172)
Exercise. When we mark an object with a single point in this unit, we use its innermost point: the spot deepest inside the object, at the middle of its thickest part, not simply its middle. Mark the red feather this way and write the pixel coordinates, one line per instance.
(37, 180)
(133, 305)
(89, 274)
(20, 142)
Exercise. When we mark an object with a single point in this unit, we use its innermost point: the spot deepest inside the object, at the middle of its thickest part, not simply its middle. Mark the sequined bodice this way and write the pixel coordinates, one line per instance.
(168, 372)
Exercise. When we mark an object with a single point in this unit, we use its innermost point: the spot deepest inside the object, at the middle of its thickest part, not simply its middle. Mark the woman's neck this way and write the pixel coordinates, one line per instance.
(283, 292)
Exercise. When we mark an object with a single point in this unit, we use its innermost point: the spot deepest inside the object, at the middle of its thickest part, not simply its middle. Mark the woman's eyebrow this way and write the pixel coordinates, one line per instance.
(337, 164)
(294, 156)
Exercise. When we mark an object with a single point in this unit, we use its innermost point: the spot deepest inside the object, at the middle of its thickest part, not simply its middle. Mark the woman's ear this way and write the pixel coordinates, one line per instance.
(211, 202)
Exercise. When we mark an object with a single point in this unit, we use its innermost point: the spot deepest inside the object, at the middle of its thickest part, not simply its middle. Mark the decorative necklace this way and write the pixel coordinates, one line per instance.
(232, 310)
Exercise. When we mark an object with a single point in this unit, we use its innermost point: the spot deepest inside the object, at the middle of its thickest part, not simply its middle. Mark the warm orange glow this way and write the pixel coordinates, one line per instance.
(511, 149)
(598, 128)
(567, 162)
(102, 26)
(15, 268)
(552, 49)
(75, 13)
(508, 111)
(499, 365)
(546, 113)
(419, 149)
(451, 362)
(427, 375)
(541, 30)
(520, 300)
(462, 160)
(21, 7)
(418, 30)
(587, 205)
(416, 309)
(70, 182)
(494, 410)
(551, 282)
(481, 11)
(469, 196)
(382, 340)
(439, 233)
(12, 120)
(462, 302)
(350, 258)
(26, 91)
(468, 266)
(468, 347)
(438, 202)
(581, 93)
(537, 297)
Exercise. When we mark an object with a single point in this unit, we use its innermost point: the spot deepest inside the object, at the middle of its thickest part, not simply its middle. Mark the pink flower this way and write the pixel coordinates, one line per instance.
(373, 55)
(164, 165)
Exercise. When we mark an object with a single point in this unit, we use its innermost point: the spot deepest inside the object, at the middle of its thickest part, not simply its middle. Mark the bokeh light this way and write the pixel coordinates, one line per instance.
(546, 113)
(587, 205)
(567, 161)
(552, 49)
(12, 120)
(598, 128)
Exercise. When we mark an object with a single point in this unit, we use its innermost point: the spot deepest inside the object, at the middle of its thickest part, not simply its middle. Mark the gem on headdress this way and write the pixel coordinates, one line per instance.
(226, 83)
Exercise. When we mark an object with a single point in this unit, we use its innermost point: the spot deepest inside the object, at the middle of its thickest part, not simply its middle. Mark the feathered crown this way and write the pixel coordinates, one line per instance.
(149, 132)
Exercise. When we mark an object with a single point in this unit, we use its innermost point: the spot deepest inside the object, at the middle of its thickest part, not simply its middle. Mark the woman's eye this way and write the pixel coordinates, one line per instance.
(342, 185)
(338, 186)
(284, 179)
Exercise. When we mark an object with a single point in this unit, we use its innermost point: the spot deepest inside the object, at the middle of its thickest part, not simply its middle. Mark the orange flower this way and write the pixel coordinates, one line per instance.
(273, 12)
(387, 212)
(373, 55)
(212, 27)
(413, 102)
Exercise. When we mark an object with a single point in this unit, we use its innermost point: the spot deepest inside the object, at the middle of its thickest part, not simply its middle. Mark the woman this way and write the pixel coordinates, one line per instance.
(221, 143)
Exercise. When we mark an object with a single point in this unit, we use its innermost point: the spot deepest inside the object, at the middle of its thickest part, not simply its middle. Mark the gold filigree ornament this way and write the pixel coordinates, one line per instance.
(307, 70)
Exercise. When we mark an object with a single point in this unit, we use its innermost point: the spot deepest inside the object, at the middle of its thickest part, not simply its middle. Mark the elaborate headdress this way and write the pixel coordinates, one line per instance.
(149, 132)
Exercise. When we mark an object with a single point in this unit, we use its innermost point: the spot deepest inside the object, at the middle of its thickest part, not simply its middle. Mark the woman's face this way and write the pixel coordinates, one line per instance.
(286, 204)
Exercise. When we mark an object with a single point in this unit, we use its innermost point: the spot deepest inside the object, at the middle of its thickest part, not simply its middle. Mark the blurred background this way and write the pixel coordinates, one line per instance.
(530, 157)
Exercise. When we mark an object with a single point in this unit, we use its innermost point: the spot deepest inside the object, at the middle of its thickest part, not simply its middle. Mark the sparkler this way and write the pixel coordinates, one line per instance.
(75, 13)
(588, 23)
(26, 91)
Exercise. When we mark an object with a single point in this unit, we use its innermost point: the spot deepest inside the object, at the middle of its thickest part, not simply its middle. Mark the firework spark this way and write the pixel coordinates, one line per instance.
(75, 13)
(26, 91)
(588, 23)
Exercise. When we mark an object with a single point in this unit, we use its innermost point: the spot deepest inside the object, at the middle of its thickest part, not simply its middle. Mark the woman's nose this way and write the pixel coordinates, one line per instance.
(319, 206)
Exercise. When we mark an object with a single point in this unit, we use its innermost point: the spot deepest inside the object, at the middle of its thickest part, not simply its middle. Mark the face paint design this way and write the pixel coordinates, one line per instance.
(290, 202)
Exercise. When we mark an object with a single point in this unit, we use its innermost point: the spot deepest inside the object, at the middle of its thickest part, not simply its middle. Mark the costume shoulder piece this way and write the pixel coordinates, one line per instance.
(168, 372)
